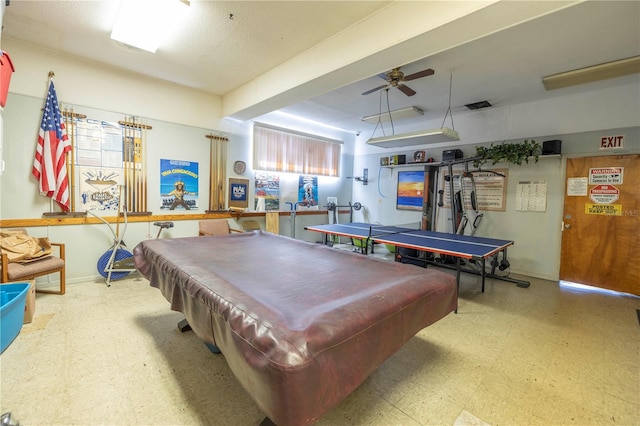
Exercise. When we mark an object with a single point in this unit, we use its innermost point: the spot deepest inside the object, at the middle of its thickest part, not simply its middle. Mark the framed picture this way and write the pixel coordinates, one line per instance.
(239, 193)
(491, 189)
(410, 190)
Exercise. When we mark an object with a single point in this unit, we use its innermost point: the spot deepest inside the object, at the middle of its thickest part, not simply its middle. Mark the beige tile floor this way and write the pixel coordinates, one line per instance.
(541, 355)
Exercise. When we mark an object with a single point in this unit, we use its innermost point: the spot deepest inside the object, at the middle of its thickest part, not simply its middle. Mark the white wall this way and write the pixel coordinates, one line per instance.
(180, 118)
(578, 120)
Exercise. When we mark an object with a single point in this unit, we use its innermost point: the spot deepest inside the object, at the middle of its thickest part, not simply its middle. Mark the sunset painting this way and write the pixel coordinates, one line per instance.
(410, 190)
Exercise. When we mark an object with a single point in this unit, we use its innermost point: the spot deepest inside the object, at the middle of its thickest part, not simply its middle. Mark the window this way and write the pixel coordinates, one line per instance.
(281, 150)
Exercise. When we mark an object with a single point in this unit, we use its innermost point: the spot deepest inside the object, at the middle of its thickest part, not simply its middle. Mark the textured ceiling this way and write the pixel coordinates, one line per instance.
(220, 46)
(227, 46)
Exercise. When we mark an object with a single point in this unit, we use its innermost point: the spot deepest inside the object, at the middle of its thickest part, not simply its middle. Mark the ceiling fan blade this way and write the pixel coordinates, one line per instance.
(375, 90)
(419, 74)
(406, 90)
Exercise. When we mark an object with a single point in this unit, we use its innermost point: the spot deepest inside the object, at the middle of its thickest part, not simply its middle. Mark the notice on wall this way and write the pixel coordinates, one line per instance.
(603, 209)
(531, 196)
(491, 189)
(577, 187)
(606, 175)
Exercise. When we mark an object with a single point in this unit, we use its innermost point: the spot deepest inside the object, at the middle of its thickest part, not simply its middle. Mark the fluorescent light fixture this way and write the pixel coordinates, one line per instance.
(594, 73)
(397, 114)
(146, 24)
(416, 138)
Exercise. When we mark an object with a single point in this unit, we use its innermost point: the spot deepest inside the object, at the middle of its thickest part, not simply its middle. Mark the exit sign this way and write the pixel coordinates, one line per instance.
(612, 142)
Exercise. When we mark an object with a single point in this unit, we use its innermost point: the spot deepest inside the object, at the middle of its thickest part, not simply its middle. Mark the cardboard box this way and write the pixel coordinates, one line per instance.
(30, 303)
(394, 160)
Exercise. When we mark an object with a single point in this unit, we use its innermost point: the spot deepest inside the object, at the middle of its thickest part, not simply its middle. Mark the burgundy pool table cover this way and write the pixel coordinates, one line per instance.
(301, 325)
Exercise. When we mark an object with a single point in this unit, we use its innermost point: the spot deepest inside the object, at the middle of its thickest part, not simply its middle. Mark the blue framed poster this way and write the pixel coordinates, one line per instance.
(308, 191)
(178, 185)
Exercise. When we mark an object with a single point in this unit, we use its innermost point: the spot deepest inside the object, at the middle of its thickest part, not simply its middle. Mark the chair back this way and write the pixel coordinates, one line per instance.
(213, 227)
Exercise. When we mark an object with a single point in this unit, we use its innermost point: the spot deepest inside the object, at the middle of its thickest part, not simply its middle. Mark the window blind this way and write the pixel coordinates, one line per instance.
(281, 150)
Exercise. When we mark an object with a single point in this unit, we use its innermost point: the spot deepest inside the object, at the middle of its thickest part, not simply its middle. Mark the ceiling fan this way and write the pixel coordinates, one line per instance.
(395, 78)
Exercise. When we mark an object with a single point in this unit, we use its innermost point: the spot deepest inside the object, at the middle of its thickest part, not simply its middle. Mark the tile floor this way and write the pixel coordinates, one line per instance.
(541, 355)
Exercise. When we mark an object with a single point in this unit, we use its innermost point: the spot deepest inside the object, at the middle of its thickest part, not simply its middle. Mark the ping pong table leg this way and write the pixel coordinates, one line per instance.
(457, 283)
(483, 272)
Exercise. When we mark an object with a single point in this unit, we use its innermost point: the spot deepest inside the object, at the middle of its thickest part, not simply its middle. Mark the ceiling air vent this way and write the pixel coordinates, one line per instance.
(478, 105)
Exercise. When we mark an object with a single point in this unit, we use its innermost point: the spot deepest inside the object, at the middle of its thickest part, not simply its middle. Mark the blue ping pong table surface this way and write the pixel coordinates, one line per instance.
(463, 246)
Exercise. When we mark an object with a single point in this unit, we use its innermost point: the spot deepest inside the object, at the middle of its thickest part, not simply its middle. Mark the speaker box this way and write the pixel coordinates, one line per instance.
(552, 147)
(451, 154)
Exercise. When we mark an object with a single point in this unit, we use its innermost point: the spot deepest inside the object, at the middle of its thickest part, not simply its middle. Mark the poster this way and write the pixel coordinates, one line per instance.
(491, 189)
(267, 192)
(308, 191)
(100, 188)
(239, 193)
(410, 190)
(178, 185)
(98, 143)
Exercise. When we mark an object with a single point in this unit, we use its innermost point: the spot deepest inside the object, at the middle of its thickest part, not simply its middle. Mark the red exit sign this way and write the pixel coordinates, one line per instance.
(612, 142)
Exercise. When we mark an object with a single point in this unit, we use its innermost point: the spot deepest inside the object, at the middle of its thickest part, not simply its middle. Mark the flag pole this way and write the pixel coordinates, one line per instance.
(50, 162)
(49, 79)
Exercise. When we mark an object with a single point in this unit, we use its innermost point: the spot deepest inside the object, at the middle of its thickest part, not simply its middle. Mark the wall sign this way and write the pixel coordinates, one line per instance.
(603, 209)
(606, 175)
(604, 194)
(612, 142)
(239, 193)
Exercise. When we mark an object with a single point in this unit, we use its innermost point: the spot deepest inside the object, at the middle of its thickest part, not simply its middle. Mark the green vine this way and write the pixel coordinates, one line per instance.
(515, 153)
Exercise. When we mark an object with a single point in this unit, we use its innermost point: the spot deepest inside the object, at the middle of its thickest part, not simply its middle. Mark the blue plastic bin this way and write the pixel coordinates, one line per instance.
(12, 299)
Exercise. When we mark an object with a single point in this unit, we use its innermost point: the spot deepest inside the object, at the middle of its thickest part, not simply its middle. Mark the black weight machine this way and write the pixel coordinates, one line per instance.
(333, 208)
(459, 217)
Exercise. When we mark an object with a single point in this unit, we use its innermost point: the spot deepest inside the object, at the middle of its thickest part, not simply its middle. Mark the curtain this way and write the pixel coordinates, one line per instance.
(282, 150)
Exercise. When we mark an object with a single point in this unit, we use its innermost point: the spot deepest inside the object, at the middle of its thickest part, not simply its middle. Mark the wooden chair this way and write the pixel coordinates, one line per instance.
(250, 225)
(215, 227)
(12, 271)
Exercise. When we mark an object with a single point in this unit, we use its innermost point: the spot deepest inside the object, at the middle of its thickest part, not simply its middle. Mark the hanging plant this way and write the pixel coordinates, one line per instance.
(515, 153)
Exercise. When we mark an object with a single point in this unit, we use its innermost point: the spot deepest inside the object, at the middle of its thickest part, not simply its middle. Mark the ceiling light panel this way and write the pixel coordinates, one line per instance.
(146, 24)
(416, 138)
(398, 114)
(594, 73)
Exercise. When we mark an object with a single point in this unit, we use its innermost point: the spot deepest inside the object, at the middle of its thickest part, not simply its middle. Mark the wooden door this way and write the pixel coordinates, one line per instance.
(601, 223)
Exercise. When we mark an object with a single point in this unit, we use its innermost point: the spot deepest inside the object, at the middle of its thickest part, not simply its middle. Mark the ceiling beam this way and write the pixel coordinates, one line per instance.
(400, 34)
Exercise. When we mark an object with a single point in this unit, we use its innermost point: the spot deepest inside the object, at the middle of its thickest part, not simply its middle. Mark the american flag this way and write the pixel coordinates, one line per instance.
(49, 165)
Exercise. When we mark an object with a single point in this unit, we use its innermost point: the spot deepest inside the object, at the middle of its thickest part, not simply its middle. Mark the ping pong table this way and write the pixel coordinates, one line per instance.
(477, 249)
